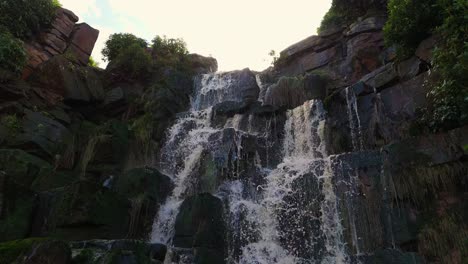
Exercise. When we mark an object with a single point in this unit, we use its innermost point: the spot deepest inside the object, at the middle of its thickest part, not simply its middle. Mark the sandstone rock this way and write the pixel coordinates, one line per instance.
(72, 82)
(315, 60)
(409, 68)
(202, 65)
(44, 132)
(200, 223)
(363, 54)
(238, 86)
(424, 51)
(366, 25)
(302, 46)
(84, 37)
(64, 23)
(381, 77)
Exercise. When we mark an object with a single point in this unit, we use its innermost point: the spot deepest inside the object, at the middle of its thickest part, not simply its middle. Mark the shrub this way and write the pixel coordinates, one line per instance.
(164, 46)
(343, 12)
(119, 42)
(448, 97)
(93, 63)
(133, 61)
(12, 54)
(24, 18)
(169, 52)
(410, 22)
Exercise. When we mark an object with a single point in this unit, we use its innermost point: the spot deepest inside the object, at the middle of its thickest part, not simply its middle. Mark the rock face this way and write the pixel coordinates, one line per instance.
(77, 40)
(68, 80)
(320, 158)
(200, 225)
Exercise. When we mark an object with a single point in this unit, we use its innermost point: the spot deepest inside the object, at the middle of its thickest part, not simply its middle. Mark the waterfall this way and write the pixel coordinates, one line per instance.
(354, 120)
(287, 213)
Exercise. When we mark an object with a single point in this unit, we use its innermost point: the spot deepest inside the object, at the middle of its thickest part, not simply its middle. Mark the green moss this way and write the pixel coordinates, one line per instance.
(12, 124)
(17, 214)
(21, 167)
(10, 251)
(142, 129)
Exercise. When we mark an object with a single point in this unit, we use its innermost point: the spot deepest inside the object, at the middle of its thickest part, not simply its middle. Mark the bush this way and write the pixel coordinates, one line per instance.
(12, 54)
(448, 97)
(119, 42)
(93, 63)
(133, 61)
(344, 12)
(169, 52)
(24, 18)
(410, 22)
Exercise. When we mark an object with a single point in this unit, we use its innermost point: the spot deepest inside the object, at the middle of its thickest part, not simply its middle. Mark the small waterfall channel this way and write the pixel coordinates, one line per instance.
(286, 211)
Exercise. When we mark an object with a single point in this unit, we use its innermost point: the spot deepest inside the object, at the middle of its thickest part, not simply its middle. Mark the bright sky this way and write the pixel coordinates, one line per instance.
(237, 33)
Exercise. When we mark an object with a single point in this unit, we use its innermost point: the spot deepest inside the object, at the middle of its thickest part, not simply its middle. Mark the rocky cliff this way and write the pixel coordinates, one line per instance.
(319, 159)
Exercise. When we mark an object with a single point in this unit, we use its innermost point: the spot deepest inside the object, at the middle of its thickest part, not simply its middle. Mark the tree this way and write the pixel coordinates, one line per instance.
(117, 43)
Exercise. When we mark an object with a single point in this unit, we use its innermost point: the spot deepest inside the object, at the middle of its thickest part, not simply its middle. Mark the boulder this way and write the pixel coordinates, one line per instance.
(150, 188)
(318, 59)
(57, 252)
(82, 40)
(363, 54)
(44, 132)
(203, 65)
(312, 43)
(238, 86)
(86, 210)
(366, 25)
(425, 48)
(68, 80)
(199, 224)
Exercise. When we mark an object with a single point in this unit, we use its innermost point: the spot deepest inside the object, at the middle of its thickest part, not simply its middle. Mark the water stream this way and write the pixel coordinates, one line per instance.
(289, 214)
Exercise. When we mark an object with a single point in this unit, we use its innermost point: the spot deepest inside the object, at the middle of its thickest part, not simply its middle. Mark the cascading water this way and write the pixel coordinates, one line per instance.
(286, 213)
(285, 206)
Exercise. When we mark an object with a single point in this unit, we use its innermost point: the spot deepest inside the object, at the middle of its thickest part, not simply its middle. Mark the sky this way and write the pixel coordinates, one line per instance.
(238, 34)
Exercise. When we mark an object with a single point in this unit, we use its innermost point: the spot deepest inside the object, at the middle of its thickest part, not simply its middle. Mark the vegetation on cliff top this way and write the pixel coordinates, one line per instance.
(12, 54)
(25, 18)
(21, 19)
(409, 23)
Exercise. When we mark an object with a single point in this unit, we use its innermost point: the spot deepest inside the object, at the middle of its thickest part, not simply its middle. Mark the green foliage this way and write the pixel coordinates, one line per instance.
(344, 12)
(117, 43)
(168, 52)
(449, 94)
(142, 129)
(10, 251)
(12, 124)
(24, 18)
(410, 22)
(93, 63)
(163, 46)
(134, 61)
(12, 54)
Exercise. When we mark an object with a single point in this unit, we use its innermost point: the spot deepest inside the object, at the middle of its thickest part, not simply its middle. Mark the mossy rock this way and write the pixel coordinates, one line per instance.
(21, 167)
(40, 129)
(86, 210)
(35, 250)
(148, 182)
(145, 189)
(200, 224)
(17, 211)
(11, 250)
